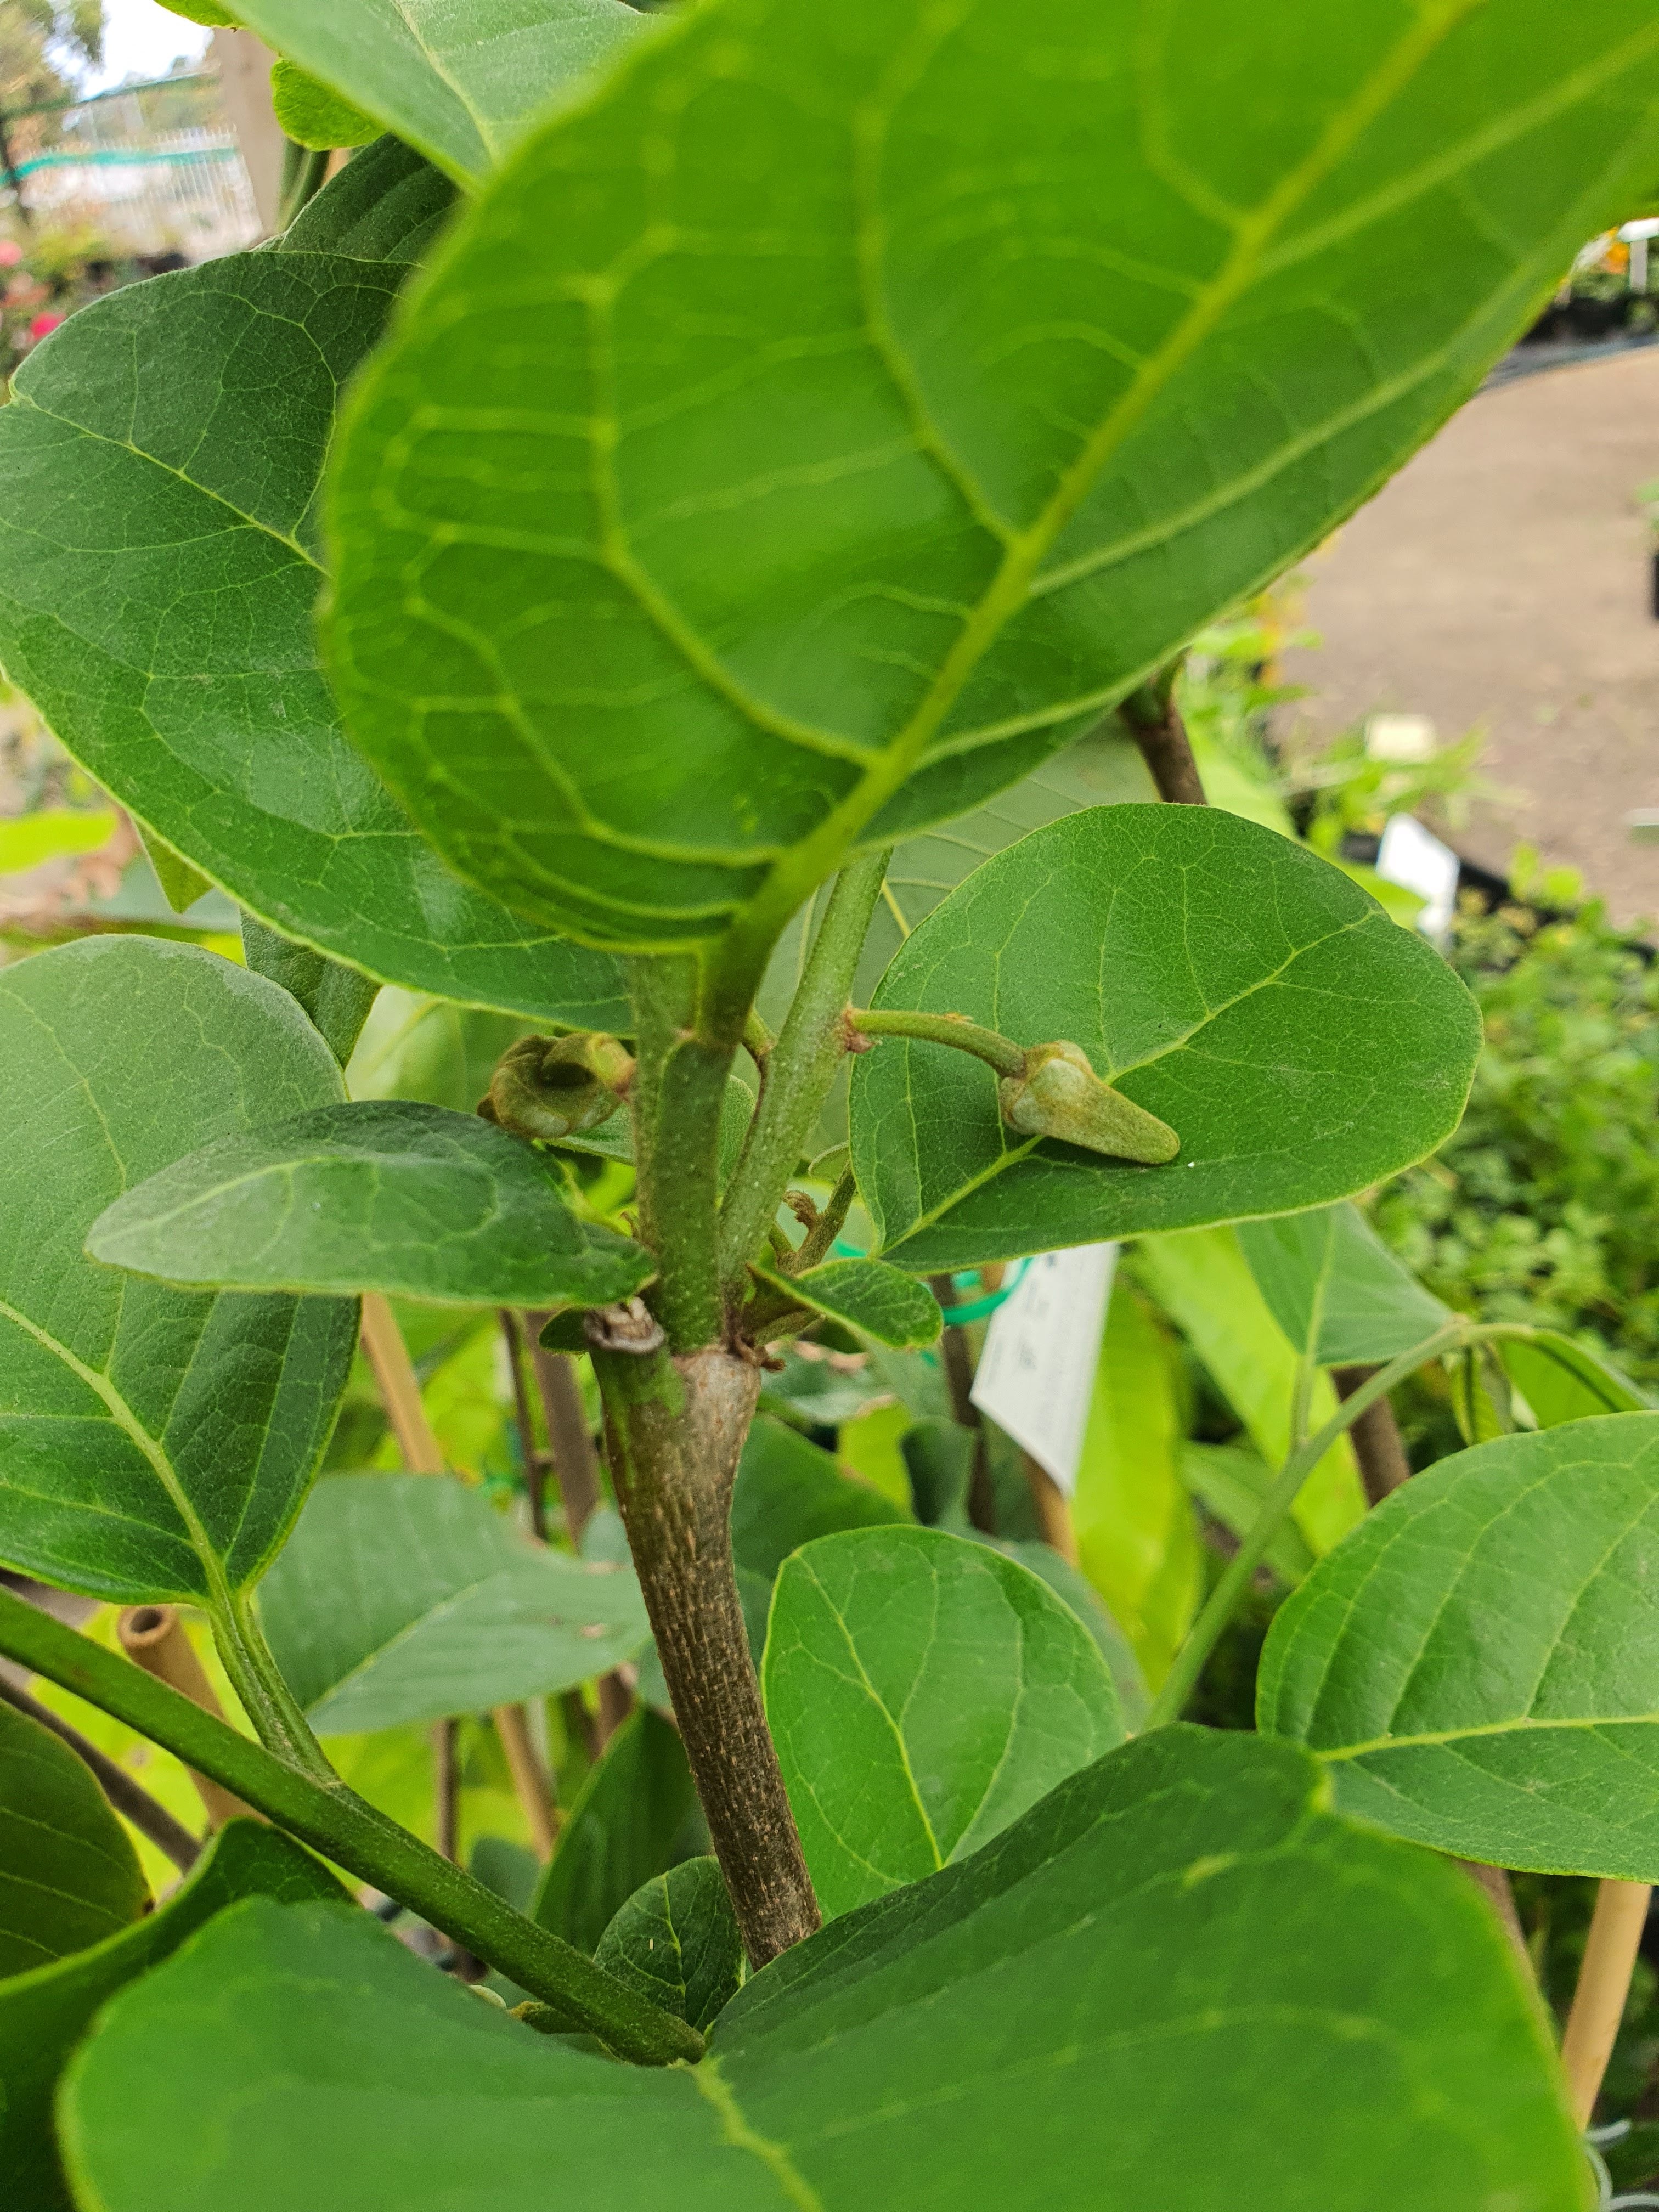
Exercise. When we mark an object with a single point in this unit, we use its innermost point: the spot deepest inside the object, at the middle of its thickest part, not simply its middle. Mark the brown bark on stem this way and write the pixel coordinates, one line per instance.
(674, 1428)
(400, 1387)
(445, 1792)
(958, 1364)
(575, 1463)
(531, 1782)
(1501, 1893)
(153, 1637)
(535, 1462)
(1154, 721)
(1598, 2002)
(1375, 1436)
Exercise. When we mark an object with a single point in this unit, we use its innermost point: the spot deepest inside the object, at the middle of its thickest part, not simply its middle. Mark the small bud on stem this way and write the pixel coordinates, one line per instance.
(554, 1087)
(1060, 1095)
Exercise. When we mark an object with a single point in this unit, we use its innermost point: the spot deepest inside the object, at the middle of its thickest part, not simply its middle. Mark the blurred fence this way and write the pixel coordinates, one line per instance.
(152, 169)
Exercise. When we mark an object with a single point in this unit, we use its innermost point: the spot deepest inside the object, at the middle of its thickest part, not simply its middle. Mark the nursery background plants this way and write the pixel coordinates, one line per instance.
(687, 611)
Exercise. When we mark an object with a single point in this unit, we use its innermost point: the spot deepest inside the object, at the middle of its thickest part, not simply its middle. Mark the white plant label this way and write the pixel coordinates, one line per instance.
(1036, 1373)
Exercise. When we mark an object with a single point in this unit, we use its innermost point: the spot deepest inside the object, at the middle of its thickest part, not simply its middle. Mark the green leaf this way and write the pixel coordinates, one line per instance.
(407, 1597)
(1563, 1380)
(1336, 1290)
(181, 884)
(157, 1443)
(313, 115)
(69, 1877)
(1223, 978)
(44, 2014)
(383, 1194)
(636, 1818)
(676, 1942)
(1231, 1483)
(893, 1308)
(835, 515)
(1008, 2037)
(1475, 1663)
(336, 998)
(1135, 1533)
(459, 82)
(53, 833)
(923, 1691)
(788, 1492)
(1201, 1281)
(158, 572)
(386, 204)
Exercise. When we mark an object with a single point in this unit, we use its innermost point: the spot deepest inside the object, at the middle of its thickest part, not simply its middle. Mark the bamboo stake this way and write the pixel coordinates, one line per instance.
(1054, 1509)
(1598, 2002)
(153, 1637)
(445, 1791)
(531, 1780)
(400, 1387)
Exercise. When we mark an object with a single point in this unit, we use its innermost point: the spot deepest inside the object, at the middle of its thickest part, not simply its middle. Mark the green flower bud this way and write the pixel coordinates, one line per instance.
(554, 1087)
(1060, 1095)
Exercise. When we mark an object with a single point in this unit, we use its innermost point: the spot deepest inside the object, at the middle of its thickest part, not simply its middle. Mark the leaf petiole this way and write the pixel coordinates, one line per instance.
(333, 1821)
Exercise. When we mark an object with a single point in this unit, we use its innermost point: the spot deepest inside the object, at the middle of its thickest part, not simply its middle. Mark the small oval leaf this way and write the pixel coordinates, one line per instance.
(676, 1942)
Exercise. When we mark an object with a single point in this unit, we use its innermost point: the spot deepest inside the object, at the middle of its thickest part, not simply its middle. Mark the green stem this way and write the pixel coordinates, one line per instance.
(338, 1823)
(679, 1090)
(278, 1720)
(955, 1030)
(1206, 1631)
(800, 1068)
(821, 1236)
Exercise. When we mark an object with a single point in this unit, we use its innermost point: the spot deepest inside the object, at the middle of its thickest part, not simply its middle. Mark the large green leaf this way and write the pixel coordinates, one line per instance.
(1336, 1290)
(676, 1942)
(1136, 1538)
(404, 1597)
(788, 1492)
(69, 1877)
(844, 497)
(1178, 1981)
(382, 1195)
(923, 1692)
(154, 1444)
(44, 2014)
(460, 81)
(1476, 1662)
(1227, 979)
(159, 565)
(636, 1818)
(386, 204)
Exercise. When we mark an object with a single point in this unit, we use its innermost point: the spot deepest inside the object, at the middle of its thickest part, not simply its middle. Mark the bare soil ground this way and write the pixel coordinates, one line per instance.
(1502, 579)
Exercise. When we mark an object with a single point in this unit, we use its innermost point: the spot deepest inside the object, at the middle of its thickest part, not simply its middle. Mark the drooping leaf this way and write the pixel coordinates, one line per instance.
(69, 1877)
(181, 884)
(1475, 1664)
(1336, 1290)
(311, 114)
(1563, 1380)
(637, 1817)
(1137, 1542)
(892, 1307)
(338, 998)
(1225, 979)
(406, 1597)
(1201, 1281)
(159, 469)
(459, 82)
(836, 514)
(44, 2014)
(156, 1443)
(923, 1691)
(386, 204)
(676, 1942)
(383, 1194)
(1027, 1994)
(788, 1492)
